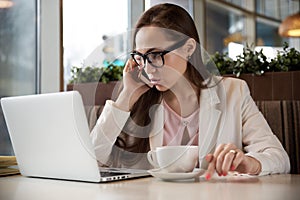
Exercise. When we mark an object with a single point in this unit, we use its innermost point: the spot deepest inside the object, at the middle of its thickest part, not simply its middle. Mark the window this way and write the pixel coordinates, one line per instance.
(245, 22)
(18, 57)
(239, 3)
(187, 4)
(223, 27)
(267, 34)
(87, 25)
(278, 9)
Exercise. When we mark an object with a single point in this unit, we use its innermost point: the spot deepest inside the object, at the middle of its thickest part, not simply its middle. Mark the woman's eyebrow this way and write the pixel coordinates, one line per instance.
(149, 50)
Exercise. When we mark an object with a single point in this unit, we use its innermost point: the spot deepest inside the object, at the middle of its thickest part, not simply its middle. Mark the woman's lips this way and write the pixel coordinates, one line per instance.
(154, 81)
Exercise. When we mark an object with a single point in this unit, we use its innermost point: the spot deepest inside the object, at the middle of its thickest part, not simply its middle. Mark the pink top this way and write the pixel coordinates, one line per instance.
(175, 125)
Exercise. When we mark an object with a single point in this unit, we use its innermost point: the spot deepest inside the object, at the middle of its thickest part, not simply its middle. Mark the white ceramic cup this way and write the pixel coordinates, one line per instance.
(176, 159)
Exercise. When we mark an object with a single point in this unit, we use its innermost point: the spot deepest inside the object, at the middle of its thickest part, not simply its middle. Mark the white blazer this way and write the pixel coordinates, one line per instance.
(228, 114)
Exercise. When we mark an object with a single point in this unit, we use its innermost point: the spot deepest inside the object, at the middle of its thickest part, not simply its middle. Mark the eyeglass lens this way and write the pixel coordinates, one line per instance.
(153, 58)
(156, 59)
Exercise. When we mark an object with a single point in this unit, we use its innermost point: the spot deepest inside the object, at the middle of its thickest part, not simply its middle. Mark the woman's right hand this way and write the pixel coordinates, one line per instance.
(227, 157)
(133, 88)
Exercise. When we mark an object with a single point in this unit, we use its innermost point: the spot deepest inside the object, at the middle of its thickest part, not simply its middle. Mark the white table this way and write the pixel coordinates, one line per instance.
(275, 187)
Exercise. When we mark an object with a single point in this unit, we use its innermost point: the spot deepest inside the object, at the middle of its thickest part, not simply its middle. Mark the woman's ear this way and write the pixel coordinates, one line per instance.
(190, 47)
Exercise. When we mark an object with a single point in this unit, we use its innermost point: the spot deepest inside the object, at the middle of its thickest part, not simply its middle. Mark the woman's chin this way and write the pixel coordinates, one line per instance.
(161, 88)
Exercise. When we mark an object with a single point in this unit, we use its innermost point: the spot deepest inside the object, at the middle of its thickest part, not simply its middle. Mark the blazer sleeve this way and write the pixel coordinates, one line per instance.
(258, 139)
(107, 129)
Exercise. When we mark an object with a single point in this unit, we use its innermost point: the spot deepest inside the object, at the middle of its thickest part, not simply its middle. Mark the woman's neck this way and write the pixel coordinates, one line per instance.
(183, 97)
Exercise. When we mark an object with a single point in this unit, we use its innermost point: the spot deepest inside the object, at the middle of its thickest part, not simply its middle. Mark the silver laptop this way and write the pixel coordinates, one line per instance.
(50, 138)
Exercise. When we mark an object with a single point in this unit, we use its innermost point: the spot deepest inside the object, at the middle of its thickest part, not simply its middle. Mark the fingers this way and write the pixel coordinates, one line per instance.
(130, 65)
(230, 161)
(225, 158)
(239, 157)
(211, 166)
(212, 162)
(220, 156)
(130, 73)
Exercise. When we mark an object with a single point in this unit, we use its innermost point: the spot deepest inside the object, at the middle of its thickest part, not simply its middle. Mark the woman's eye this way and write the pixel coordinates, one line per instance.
(154, 56)
(138, 58)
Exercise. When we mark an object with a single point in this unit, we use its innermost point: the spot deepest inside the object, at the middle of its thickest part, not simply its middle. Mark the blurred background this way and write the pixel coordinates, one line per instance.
(44, 43)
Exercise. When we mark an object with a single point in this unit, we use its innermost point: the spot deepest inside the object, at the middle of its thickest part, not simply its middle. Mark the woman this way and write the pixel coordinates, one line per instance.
(183, 104)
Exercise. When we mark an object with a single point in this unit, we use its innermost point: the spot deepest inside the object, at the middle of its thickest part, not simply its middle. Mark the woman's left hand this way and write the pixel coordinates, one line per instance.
(227, 157)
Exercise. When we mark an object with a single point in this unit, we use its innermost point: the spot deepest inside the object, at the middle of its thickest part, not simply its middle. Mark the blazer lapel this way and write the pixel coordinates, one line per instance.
(208, 122)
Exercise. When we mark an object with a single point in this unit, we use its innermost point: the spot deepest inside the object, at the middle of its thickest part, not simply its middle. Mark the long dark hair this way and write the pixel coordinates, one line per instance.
(135, 135)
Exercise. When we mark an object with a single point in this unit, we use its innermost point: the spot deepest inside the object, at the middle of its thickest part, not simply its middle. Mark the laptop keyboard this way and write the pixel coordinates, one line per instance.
(108, 173)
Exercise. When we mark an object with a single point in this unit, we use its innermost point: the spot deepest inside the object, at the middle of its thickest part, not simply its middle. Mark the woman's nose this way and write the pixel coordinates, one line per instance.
(149, 69)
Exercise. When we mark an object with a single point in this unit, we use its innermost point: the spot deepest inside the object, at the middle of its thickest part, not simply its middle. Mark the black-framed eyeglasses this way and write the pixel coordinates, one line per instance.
(155, 58)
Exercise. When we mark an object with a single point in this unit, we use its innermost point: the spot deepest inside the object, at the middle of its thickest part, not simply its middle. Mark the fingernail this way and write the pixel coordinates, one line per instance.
(207, 177)
(232, 168)
(224, 174)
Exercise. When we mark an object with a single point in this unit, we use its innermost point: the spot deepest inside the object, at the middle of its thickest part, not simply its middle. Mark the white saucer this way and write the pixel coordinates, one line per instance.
(176, 176)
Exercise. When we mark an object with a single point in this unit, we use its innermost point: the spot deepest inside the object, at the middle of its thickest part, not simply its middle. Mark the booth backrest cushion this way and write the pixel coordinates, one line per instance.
(284, 119)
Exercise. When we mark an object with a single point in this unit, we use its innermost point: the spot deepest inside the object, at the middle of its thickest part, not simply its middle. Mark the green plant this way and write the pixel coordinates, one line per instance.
(255, 62)
(223, 62)
(250, 61)
(286, 60)
(96, 74)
